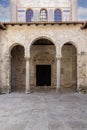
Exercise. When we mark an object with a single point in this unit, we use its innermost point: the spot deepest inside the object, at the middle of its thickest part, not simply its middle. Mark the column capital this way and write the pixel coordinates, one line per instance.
(27, 57)
(58, 57)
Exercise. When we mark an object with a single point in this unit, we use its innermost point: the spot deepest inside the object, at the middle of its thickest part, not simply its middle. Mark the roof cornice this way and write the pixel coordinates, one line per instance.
(84, 26)
(4, 24)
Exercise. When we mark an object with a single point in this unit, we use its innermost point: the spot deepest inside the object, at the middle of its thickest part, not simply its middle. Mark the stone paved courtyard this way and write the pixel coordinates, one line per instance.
(43, 110)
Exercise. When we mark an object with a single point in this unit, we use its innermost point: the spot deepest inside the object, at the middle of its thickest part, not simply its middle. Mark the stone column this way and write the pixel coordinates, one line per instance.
(58, 85)
(27, 75)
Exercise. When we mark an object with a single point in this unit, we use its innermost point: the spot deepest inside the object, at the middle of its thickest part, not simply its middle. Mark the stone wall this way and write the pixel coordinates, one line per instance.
(59, 35)
(42, 3)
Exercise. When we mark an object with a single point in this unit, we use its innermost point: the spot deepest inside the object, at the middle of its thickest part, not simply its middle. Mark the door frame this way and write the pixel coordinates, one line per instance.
(50, 72)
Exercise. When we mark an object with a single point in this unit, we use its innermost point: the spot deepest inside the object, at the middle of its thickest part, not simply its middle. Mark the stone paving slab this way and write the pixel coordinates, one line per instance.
(43, 111)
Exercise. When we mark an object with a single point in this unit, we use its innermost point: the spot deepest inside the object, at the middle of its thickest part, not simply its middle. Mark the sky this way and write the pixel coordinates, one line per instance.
(82, 10)
(5, 10)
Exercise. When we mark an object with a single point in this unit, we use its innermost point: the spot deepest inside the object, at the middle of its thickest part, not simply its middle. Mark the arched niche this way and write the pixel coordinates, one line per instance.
(17, 68)
(69, 66)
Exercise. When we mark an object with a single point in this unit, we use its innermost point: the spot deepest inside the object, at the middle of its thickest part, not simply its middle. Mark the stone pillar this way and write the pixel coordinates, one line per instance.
(13, 10)
(9, 74)
(58, 85)
(6, 74)
(50, 15)
(78, 71)
(27, 75)
(74, 8)
(81, 72)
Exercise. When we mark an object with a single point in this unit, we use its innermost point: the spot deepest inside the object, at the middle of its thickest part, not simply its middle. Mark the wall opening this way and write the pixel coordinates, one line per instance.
(43, 75)
(57, 15)
(29, 15)
(17, 69)
(43, 15)
(69, 66)
(43, 63)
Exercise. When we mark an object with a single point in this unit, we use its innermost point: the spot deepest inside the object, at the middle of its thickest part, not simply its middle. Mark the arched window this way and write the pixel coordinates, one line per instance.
(43, 15)
(29, 15)
(57, 15)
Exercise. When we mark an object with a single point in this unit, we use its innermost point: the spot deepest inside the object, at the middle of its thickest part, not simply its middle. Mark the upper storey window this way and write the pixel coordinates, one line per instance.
(29, 15)
(43, 15)
(57, 15)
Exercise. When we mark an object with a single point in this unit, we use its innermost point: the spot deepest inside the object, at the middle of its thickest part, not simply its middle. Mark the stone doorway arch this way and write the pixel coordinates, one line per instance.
(69, 67)
(43, 56)
(18, 68)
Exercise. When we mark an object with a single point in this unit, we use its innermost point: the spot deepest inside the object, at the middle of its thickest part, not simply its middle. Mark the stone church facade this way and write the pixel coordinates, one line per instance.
(38, 54)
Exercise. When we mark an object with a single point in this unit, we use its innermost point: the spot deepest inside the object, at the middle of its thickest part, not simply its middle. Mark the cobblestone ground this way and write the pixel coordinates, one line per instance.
(43, 110)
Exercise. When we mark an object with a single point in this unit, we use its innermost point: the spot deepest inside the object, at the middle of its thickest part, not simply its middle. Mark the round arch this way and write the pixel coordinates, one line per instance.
(29, 15)
(13, 45)
(18, 67)
(43, 14)
(29, 9)
(42, 37)
(58, 9)
(43, 62)
(69, 66)
(58, 15)
(43, 9)
(72, 43)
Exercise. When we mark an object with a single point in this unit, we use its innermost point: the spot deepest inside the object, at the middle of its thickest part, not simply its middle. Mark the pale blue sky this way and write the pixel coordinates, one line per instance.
(5, 10)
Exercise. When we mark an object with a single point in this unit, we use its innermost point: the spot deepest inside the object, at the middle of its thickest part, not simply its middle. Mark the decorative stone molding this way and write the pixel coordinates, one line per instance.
(59, 58)
(27, 58)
